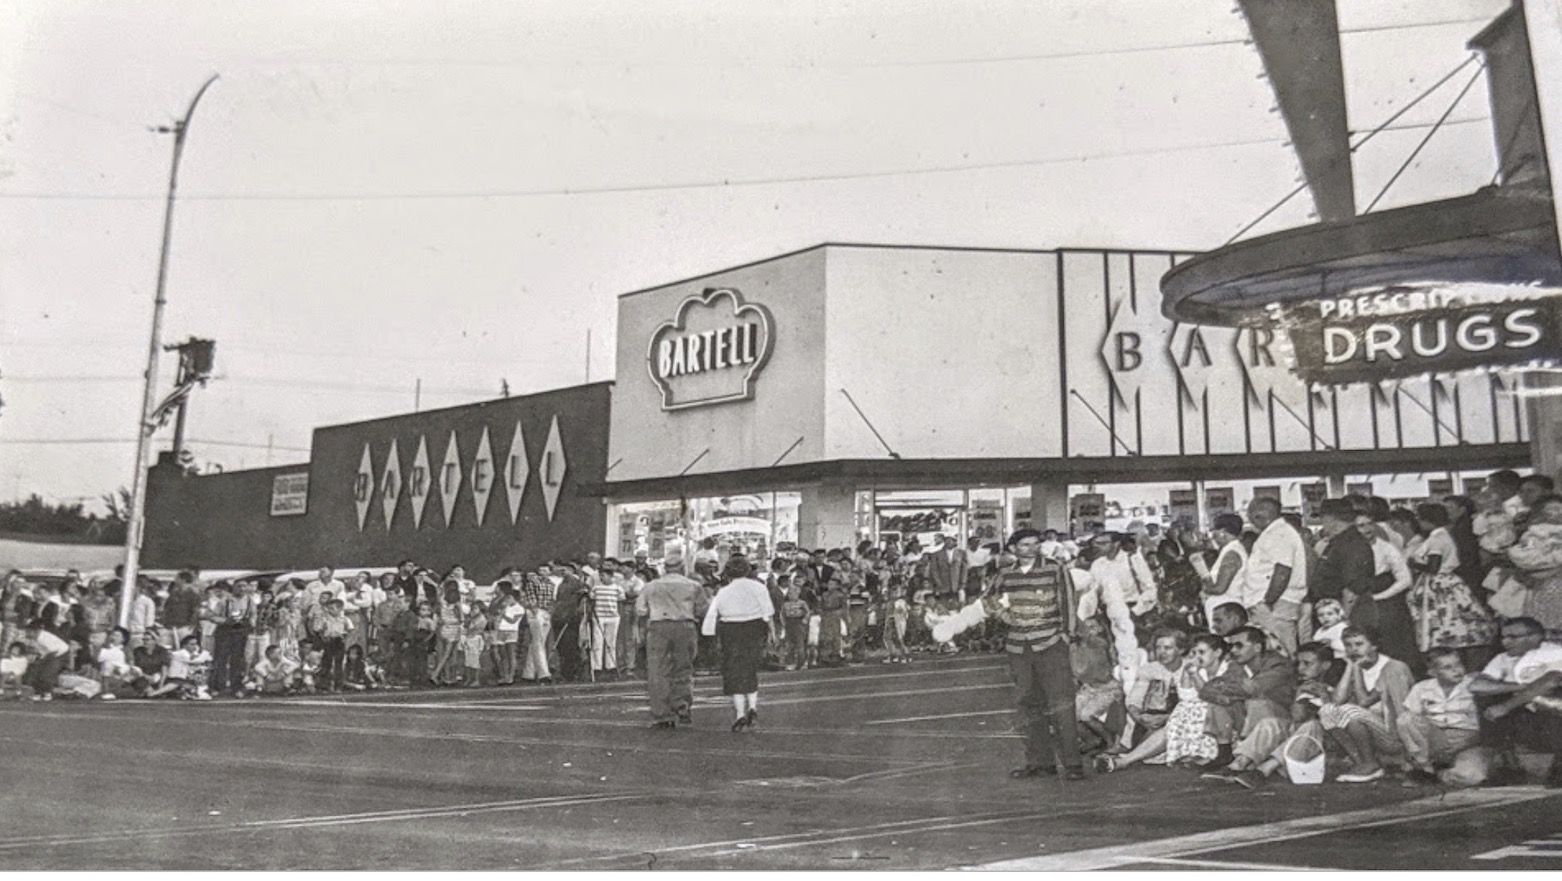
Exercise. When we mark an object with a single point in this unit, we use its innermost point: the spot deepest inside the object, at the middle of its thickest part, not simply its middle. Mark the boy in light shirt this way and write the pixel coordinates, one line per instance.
(1441, 726)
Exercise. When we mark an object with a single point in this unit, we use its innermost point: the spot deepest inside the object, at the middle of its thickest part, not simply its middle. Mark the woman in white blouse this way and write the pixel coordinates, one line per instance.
(740, 617)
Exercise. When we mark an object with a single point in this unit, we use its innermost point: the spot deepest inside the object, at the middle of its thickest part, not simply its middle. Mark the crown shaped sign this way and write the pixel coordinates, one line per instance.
(712, 350)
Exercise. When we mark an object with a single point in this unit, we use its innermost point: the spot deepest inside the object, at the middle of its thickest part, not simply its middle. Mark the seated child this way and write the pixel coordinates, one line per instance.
(151, 659)
(274, 673)
(309, 676)
(1440, 726)
(1098, 703)
(12, 669)
(1330, 615)
(188, 670)
(119, 677)
(362, 674)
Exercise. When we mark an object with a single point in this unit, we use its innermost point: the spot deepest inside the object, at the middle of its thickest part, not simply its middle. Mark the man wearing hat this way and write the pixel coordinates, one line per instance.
(1035, 598)
(670, 606)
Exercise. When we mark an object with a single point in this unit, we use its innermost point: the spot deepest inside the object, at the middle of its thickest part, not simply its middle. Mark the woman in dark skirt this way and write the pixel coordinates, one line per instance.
(739, 617)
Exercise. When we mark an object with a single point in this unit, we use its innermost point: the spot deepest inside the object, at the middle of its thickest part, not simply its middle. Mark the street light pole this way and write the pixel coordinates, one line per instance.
(133, 532)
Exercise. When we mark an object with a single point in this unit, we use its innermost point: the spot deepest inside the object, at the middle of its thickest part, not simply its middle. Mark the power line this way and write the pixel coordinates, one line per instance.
(1417, 151)
(90, 441)
(748, 64)
(268, 382)
(646, 188)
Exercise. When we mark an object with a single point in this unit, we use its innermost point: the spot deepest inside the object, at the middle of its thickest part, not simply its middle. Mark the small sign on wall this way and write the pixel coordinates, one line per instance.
(290, 495)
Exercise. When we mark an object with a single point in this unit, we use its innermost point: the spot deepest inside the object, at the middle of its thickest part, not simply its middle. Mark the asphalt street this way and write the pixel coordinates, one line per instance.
(872, 767)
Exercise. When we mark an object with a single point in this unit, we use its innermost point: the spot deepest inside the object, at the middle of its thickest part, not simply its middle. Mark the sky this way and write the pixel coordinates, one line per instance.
(376, 196)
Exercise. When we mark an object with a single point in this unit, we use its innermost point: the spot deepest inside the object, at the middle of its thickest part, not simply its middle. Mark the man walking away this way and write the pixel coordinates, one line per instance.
(671, 605)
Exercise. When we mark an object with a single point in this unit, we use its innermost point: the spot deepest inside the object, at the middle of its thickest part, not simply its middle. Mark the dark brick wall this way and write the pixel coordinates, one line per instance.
(224, 521)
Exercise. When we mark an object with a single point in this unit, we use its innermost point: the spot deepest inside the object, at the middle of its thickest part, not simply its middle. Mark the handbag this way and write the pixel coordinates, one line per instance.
(1306, 771)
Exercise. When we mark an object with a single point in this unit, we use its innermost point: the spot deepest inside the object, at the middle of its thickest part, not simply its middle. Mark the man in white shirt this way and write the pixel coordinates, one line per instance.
(325, 583)
(1274, 581)
(1528, 668)
(1112, 577)
(44, 673)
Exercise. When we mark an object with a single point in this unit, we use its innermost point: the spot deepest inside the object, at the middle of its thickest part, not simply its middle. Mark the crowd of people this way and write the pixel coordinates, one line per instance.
(1427, 640)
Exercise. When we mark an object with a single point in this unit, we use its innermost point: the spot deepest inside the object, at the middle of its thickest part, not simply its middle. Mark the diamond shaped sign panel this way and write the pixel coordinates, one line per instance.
(482, 476)
(516, 469)
(418, 482)
(550, 471)
(450, 479)
(390, 485)
(363, 486)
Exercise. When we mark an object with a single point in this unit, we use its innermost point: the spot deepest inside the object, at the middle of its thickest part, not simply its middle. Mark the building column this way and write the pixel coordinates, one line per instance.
(827, 516)
(1049, 506)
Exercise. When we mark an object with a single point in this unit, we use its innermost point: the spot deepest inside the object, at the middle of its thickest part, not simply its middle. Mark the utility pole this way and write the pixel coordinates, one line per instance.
(137, 525)
(588, 356)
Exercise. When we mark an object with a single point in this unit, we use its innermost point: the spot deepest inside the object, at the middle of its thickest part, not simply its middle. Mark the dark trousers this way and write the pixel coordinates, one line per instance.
(857, 631)
(571, 664)
(44, 674)
(414, 662)
(669, 674)
(1044, 693)
(796, 641)
(1540, 731)
(228, 658)
(333, 661)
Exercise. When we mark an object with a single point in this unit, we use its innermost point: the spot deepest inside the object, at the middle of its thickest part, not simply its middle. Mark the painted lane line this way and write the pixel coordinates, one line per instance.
(1217, 864)
(322, 822)
(1457, 802)
(1008, 712)
(878, 830)
(509, 708)
(866, 695)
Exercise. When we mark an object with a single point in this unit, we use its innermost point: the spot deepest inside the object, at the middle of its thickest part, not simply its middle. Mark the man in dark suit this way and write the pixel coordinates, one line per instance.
(1345, 565)
(946, 568)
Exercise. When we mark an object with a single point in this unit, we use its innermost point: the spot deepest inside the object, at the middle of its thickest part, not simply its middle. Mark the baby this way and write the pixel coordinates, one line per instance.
(1330, 615)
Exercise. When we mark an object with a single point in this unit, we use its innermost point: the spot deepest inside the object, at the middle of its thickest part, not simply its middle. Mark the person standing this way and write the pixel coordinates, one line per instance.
(1275, 578)
(739, 617)
(537, 593)
(1035, 598)
(670, 606)
(606, 595)
(946, 569)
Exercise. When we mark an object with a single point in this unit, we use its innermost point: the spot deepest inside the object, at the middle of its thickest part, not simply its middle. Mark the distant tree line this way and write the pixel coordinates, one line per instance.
(37, 517)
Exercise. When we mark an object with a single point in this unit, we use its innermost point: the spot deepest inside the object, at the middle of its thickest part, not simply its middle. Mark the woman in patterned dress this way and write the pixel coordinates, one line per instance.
(1447, 613)
(1183, 738)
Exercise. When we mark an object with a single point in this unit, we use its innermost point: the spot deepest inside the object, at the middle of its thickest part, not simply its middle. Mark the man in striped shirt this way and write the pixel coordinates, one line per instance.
(606, 595)
(1035, 598)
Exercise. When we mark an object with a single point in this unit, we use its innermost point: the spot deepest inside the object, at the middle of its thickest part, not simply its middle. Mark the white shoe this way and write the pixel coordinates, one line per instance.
(1361, 778)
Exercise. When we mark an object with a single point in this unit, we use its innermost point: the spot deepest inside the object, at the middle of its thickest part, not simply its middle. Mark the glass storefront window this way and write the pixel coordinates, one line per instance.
(752, 523)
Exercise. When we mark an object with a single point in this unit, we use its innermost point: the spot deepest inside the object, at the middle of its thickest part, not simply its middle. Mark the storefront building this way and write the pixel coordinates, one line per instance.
(484, 486)
(850, 392)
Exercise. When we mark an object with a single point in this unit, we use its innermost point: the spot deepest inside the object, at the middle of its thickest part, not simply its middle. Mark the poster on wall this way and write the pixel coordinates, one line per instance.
(290, 495)
(986, 520)
(1087, 511)
(1313, 495)
(1267, 492)
(1438, 487)
(1183, 504)
(1359, 489)
(1220, 500)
